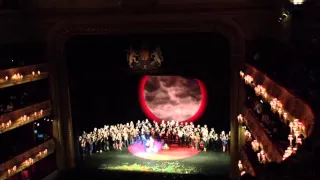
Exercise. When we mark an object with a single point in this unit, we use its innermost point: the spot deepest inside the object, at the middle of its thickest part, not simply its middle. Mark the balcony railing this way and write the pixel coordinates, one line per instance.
(260, 134)
(21, 75)
(247, 163)
(24, 116)
(293, 105)
(27, 159)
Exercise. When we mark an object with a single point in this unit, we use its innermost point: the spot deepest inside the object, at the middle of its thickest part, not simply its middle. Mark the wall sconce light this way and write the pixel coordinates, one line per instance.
(284, 16)
(5, 125)
(240, 165)
(297, 2)
(17, 77)
(248, 79)
(240, 118)
(241, 74)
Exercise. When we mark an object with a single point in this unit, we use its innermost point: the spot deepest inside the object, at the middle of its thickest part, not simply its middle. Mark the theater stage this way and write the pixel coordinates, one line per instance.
(188, 161)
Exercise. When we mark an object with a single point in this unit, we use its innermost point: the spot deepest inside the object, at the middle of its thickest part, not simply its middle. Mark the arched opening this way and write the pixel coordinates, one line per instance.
(104, 90)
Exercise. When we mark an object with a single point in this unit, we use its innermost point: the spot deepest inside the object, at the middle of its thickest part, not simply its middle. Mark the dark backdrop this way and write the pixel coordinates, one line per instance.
(104, 90)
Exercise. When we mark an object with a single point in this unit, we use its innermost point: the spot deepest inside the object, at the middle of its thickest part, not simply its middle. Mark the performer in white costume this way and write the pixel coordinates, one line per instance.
(150, 145)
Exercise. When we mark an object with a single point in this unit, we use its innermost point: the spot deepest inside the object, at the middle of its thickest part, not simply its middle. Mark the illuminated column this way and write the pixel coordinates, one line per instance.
(57, 129)
(242, 139)
(62, 125)
(241, 100)
(235, 104)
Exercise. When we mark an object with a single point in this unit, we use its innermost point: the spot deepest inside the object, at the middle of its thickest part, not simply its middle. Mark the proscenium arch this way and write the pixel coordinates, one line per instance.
(63, 31)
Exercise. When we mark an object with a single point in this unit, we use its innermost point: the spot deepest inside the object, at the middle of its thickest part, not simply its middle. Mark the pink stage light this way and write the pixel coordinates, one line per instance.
(167, 104)
(175, 152)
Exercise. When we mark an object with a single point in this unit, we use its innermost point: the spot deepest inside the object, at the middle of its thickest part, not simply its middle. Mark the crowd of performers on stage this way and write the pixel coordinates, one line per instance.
(116, 137)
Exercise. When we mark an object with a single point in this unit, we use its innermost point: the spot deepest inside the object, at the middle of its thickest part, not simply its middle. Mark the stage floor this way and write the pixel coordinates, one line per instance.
(205, 163)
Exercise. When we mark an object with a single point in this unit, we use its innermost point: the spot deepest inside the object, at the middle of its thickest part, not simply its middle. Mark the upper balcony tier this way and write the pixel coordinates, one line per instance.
(295, 107)
(21, 75)
(248, 161)
(26, 159)
(275, 125)
(259, 133)
(24, 116)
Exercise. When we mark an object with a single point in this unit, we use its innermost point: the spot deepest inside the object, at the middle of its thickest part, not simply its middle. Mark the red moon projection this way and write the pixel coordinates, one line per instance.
(172, 98)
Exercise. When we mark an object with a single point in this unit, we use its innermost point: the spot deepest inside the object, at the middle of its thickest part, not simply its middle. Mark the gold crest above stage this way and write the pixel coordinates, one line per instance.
(145, 58)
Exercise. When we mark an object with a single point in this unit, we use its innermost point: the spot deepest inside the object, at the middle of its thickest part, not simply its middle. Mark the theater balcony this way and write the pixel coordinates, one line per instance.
(20, 117)
(275, 123)
(21, 75)
(263, 135)
(26, 124)
(26, 160)
(292, 107)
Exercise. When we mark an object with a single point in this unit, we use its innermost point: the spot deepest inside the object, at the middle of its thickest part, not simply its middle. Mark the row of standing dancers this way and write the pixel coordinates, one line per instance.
(117, 137)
